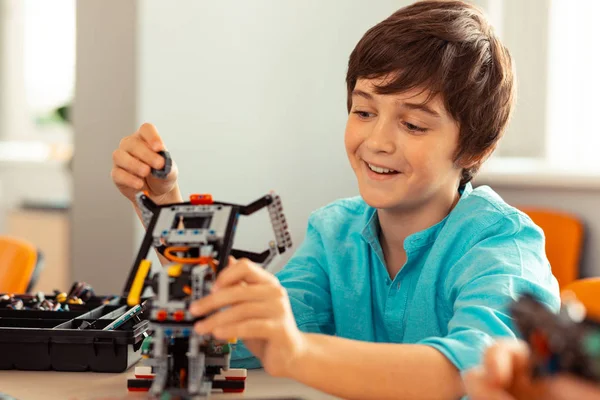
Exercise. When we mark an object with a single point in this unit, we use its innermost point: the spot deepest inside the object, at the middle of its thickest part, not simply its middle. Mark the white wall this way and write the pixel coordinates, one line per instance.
(250, 96)
(104, 111)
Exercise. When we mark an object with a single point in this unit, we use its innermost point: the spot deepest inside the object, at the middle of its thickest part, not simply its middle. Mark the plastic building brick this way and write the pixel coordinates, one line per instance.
(166, 169)
(144, 372)
(145, 385)
(197, 238)
(566, 342)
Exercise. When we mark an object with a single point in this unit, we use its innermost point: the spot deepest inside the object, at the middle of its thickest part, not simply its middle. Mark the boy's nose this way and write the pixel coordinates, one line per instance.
(381, 138)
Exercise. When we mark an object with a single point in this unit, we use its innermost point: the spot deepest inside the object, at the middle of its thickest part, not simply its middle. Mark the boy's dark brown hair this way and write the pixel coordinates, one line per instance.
(446, 47)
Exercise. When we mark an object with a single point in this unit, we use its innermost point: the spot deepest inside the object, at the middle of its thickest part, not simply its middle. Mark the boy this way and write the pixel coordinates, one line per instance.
(394, 293)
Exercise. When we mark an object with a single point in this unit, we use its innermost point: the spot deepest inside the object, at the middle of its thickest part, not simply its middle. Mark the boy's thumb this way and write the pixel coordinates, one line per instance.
(504, 360)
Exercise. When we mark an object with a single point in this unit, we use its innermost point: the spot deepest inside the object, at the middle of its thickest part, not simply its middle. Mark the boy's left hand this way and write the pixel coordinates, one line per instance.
(258, 312)
(505, 374)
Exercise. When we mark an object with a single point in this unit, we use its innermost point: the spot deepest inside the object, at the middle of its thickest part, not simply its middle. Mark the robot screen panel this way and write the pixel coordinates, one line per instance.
(194, 222)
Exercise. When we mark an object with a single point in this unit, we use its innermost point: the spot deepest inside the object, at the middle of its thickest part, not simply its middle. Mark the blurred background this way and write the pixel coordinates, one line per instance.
(249, 96)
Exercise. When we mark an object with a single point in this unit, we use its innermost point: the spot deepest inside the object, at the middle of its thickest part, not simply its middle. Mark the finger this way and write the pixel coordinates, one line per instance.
(125, 179)
(236, 314)
(505, 359)
(139, 149)
(245, 271)
(568, 387)
(233, 295)
(250, 329)
(149, 134)
(126, 161)
(478, 386)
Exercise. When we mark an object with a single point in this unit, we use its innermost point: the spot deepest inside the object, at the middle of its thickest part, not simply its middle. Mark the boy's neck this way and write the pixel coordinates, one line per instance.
(397, 225)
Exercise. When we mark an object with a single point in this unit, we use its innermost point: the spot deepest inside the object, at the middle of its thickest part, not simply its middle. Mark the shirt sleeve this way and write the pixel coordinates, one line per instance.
(485, 281)
(307, 283)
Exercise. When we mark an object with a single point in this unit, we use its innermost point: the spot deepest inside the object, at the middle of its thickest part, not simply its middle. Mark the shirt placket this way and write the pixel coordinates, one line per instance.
(395, 305)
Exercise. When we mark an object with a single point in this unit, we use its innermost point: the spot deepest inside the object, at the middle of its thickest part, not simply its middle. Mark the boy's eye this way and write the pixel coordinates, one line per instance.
(414, 128)
(363, 114)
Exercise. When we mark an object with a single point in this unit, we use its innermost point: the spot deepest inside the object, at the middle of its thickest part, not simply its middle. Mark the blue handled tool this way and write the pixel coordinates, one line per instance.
(127, 315)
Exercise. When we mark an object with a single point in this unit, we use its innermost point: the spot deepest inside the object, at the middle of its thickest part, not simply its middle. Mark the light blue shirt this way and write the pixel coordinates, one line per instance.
(453, 293)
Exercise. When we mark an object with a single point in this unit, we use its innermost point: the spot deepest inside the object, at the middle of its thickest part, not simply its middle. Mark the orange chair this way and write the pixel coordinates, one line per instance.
(20, 265)
(564, 241)
(587, 291)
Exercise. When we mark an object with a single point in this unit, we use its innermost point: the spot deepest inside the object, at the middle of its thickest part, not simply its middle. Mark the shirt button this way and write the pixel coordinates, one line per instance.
(398, 285)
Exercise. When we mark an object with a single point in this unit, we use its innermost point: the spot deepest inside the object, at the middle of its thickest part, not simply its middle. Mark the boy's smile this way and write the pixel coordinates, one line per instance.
(378, 172)
(401, 147)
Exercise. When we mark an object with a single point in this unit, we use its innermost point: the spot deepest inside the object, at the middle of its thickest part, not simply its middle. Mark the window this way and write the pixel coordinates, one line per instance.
(37, 76)
(49, 55)
(573, 133)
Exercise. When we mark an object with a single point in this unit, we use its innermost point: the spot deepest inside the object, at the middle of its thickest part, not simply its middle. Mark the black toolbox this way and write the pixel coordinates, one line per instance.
(51, 340)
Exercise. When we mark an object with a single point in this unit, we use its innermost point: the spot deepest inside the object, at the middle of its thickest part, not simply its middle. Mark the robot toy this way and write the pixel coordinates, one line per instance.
(567, 342)
(196, 238)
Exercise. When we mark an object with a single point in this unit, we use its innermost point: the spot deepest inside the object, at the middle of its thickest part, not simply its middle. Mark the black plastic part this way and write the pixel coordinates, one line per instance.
(149, 204)
(142, 254)
(220, 384)
(139, 383)
(213, 370)
(51, 340)
(228, 384)
(166, 169)
(254, 257)
(225, 250)
(256, 205)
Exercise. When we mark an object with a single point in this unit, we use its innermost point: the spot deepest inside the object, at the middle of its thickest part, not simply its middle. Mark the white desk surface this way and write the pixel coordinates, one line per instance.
(51, 385)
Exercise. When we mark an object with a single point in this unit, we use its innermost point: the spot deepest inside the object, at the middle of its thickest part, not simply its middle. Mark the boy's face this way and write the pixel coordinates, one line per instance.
(402, 153)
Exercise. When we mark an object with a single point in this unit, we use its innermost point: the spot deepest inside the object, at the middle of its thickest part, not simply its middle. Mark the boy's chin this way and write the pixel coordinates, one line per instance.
(382, 201)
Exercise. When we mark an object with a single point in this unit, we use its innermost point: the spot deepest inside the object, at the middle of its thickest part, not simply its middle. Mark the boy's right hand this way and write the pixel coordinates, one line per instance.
(132, 163)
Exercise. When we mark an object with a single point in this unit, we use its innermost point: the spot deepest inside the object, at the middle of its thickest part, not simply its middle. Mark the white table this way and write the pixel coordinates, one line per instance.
(51, 385)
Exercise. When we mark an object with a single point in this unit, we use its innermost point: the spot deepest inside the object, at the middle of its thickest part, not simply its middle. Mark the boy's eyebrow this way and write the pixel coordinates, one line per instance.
(422, 107)
(412, 106)
(360, 93)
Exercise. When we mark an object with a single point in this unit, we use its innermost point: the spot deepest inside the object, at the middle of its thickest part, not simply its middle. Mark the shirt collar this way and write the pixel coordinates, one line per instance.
(416, 240)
